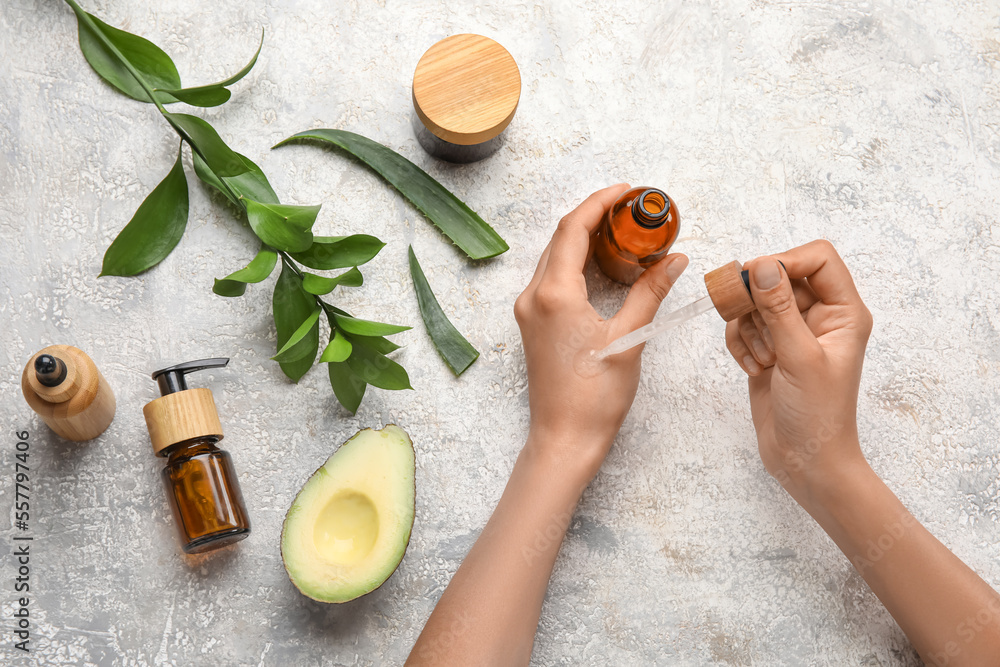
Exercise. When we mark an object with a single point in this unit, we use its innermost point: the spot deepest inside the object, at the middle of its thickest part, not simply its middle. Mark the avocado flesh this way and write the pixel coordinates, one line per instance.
(348, 527)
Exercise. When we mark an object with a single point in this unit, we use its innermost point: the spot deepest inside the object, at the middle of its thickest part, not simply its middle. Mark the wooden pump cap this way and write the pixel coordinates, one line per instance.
(466, 89)
(728, 291)
(181, 416)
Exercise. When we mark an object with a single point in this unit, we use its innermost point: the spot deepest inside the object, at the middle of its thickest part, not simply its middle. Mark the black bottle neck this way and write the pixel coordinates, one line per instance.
(651, 208)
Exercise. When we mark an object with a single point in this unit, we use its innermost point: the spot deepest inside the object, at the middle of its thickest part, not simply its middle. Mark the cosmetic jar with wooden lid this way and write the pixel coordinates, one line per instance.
(465, 92)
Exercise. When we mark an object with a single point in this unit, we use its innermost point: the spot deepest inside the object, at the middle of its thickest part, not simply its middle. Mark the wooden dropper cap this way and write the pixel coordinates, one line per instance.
(466, 89)
(730, 295)
(729, 287)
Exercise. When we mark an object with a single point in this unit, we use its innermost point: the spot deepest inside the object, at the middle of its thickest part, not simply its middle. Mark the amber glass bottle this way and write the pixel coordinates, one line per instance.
(199, 478)
(204, 495)
(637, 231)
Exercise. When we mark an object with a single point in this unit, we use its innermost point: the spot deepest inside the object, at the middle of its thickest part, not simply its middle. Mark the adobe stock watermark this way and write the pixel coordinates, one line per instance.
(545, 538)
(433, 651)
(567, 350)
(797, 459)
(877, 549)
(375, 369)
(966, 631)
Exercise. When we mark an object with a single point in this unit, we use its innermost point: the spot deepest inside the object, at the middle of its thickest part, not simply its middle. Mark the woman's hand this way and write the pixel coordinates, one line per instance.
(803, 350)
(577, 406)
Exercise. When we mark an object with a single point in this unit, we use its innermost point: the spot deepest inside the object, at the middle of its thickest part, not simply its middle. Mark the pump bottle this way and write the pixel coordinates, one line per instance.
(199, 478)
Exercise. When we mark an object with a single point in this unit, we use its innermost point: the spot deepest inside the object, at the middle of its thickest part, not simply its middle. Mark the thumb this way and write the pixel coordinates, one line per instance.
(775, 300)
(649, 290)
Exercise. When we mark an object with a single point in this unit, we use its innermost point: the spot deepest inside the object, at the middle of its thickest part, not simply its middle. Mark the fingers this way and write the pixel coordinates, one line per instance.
(805, 297)
(571, 240)
(752, 333)
(540, 269)
(825, 270)
(776, 302)
(765, 333)
(648, 291)
(738, 348)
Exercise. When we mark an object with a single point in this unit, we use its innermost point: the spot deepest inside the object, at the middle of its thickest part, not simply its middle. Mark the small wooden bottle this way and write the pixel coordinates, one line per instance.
(465, 92)
(62, 384)
(637, 231)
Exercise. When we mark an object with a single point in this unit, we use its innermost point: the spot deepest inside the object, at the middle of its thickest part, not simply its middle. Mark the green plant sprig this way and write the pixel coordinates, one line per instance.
(357, 349)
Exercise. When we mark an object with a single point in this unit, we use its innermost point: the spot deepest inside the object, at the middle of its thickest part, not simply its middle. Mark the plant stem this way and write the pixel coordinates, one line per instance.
(85, 17)
(290, 263)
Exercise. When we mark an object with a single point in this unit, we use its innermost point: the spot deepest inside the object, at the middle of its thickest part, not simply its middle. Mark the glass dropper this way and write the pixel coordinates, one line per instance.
(642, 334)
(728, 292)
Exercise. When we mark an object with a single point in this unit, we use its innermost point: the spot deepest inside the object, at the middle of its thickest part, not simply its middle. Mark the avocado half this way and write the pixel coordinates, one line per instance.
(348, 527)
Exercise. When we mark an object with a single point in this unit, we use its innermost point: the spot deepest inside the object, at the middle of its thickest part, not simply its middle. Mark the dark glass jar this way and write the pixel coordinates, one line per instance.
(204, 495)
(637, 231)
(466, 90)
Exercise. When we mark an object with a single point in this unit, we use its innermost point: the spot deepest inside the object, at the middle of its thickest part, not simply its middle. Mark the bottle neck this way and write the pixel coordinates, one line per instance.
(187, 449)
(651, 208)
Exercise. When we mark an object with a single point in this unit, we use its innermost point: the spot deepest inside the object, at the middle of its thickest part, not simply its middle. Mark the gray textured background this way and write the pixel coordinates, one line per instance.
(874, 124)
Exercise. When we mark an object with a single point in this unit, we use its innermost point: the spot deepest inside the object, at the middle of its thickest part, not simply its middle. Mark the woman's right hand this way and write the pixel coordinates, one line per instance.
(803, 349)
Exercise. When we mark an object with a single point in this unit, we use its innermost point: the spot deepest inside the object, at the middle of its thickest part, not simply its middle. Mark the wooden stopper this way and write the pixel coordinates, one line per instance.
(466, 89)
(181, 416)
(82, 406)
(728, 291)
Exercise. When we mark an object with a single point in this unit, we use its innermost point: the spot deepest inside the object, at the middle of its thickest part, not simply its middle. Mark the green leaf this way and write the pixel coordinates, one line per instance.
(282, 226)
(367, 327)
(259, 268)
(320, 285)
(224, 287)
(154, 230)
(339, 252)
(219, 157)
(214, 94)
(201, 96)
(378, 343)
(457, 352)
(252, 184)
(289, 351)
(347, 386)
(461, 224)
(291, 307)
(339, 349)
(377, 369)
(152, 63)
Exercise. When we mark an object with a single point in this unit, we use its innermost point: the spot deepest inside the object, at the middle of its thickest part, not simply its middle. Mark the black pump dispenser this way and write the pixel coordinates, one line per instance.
(172, 379)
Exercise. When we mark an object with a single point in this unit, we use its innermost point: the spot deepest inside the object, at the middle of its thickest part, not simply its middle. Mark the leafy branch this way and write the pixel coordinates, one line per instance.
(357, 348)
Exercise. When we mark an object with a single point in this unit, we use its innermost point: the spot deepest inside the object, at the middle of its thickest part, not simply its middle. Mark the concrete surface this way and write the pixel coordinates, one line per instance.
(872, 123)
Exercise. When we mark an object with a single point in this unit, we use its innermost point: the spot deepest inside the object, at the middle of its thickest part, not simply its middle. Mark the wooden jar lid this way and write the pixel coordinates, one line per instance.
(466, 89)
(181, 416)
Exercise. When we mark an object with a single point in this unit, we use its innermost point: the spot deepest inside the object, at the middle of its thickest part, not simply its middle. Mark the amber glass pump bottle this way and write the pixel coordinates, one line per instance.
(637, 231)
(200, 480)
